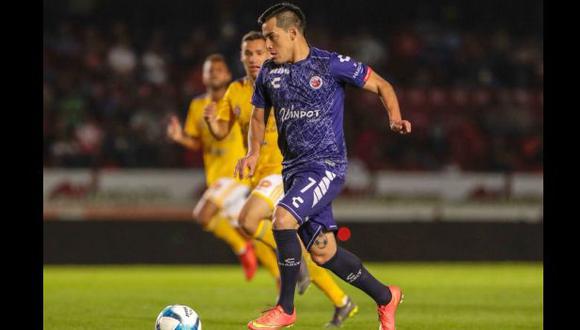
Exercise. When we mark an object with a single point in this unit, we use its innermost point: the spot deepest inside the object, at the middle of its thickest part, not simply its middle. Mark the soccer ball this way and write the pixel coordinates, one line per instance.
(177, 317)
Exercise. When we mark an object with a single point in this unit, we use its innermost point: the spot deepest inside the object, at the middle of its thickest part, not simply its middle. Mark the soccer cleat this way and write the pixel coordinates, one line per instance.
(303, 278)
(273, 319)
(342, 313)
(387, 312)
(249, 261)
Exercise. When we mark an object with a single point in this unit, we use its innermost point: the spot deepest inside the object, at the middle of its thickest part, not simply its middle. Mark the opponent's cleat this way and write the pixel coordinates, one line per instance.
(273, 319)
(303, 278)
(249, 261)
(387, 312)
(342, 313)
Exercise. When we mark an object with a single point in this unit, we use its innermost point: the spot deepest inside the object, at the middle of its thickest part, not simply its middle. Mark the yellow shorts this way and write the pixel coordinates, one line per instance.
(270, 189)
(228, 194)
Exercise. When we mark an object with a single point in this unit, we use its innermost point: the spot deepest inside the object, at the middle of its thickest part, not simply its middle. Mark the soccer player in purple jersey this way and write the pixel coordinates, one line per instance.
(305, 86)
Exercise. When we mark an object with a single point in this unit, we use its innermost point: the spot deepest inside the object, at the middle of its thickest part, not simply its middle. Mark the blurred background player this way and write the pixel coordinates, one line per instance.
(224, 196)
(267, 187)
(305, 86)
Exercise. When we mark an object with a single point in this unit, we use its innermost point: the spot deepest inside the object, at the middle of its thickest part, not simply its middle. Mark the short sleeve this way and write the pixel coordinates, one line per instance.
(224, 105)
(191, 128)
(346, 70)
(260, 98)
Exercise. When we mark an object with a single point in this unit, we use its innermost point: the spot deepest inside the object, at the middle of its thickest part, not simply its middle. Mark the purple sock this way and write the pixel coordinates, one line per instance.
(289, 256)
(348, 267)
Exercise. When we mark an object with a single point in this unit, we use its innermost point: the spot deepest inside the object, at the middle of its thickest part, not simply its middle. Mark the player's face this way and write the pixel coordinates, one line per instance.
(279, 42)
(253, 56)
(215, 74)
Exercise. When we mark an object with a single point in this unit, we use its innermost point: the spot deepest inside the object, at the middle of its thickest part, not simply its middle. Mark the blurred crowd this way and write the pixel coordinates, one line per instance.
(475, 97)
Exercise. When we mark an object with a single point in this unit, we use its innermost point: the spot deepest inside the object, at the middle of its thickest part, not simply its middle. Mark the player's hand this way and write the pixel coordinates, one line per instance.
(401, 126)
(248, 162)
(174, 130)
(210, 112)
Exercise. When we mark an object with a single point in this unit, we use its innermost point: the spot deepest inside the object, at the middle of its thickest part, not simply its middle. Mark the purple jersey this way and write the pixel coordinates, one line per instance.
(308, 100)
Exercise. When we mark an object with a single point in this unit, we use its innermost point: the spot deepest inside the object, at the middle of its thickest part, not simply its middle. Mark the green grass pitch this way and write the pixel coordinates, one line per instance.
(437, 296)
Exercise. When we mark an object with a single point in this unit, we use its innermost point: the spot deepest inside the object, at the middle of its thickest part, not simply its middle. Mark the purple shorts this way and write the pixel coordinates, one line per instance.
(308, 196)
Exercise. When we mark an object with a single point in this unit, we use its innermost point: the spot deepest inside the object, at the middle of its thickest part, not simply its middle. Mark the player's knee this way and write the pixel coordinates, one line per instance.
(202, 215)
(283, 220)
(247, 222)
(323, 249)
(202, 218)
(320, 257)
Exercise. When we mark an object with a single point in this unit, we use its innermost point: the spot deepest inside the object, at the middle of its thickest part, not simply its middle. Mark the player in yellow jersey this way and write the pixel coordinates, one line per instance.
(225, 196)
(267, 186)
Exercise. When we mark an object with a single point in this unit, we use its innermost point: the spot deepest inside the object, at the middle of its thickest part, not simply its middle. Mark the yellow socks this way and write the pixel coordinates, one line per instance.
(267, 258)
(221, 227)
(324, 281)
(264, 233)
(265, 246)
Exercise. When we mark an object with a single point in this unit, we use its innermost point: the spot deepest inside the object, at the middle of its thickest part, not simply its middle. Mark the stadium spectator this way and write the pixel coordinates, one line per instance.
(473, 94)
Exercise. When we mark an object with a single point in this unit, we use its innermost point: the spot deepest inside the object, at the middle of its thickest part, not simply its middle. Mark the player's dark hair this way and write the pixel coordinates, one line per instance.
(253, 35)
(286, 14)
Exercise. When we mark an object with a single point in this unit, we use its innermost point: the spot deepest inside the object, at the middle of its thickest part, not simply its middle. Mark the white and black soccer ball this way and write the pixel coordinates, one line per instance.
(178, 317)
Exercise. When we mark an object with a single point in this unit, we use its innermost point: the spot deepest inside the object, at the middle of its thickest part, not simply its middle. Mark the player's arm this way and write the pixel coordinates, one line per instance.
(256, 131)
(176, 134)
(219, 128)
(256, 134)
(384, 89)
